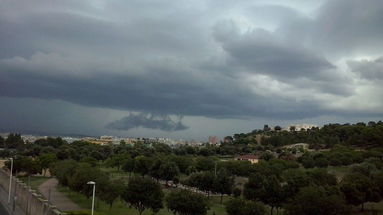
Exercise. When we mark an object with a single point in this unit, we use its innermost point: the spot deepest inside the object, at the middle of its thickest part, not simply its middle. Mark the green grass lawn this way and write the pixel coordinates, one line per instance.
(121, 208)
(35, 181)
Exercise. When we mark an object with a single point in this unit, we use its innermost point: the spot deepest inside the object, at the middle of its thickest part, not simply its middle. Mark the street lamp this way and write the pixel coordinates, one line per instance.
(94, 190)
(10, 182)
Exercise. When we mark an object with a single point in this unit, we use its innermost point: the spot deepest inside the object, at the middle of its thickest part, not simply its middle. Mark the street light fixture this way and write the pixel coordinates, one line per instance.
(10, 182)
(94, 191)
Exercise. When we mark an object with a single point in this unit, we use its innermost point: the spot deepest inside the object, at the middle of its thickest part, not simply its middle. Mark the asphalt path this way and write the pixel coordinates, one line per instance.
(3, 211)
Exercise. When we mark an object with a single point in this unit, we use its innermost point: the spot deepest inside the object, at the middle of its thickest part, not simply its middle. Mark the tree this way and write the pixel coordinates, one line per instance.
(316, 201)
(295, 179)
(183, 162)
(366, 169)
(84, 173)
(253, 189)
(190, 170)
(321, 177)
(63, 171)
(274, 193)
(25, 164)
(168, 171)
(50, 141)
(321, 162)
(162, 148)
(203, 181)
(239, 206)
(143, 165)
(277, 128)
(155, 168)
(254, 208)
(14, 141)
(143, 193)
(2, 141)
(307, 161)
(96, 155)
(235, 206)
(46, 160)
(128, 165)
(111, 191)
(5, 153)
(266, 156)
(223, 183)
(63, 153)
(378, 181)
(204, 164)
(358, 189)
(228, 139)
(185, 202)
(116, 161)
(90, 160)
(267, 189)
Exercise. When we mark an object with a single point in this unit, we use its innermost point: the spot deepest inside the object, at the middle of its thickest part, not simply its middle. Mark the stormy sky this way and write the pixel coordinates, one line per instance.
(188, 69)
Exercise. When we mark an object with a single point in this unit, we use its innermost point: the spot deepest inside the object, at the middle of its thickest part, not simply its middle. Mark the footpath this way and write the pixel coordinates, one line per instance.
(49, 190)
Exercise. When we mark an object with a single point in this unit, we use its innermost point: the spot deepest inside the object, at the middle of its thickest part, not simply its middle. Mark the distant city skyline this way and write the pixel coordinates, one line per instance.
(189, 70)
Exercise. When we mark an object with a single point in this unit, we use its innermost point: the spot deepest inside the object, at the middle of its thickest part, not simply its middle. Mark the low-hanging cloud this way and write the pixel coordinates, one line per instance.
(145, 120)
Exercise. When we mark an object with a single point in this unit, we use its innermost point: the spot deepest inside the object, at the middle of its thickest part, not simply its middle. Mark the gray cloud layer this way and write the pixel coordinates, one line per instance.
(218, 59)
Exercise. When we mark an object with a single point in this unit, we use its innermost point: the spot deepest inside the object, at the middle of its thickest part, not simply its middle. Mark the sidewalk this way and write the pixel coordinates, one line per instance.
(8, 207)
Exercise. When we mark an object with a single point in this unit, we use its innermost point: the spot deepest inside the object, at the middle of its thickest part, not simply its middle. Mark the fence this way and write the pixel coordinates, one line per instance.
(28, 200)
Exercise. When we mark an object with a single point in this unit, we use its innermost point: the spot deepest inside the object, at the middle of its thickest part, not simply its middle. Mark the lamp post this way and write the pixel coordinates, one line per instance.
(10, 182)
(94, 191)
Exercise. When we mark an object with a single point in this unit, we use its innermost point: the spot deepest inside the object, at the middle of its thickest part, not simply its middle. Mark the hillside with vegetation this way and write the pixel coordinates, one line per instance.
(335, 169)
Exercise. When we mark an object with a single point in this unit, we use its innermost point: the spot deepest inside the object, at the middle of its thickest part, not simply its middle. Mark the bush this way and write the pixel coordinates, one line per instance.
(239, 206)
(187, 203)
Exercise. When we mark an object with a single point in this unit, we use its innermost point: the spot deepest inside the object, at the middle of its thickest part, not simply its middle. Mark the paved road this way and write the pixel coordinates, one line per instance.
(3, 211)
(57, 198)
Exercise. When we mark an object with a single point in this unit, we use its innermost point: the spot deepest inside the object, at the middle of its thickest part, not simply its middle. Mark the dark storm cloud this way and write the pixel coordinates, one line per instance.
(165, 90)
(176, 58)
(151, 121)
